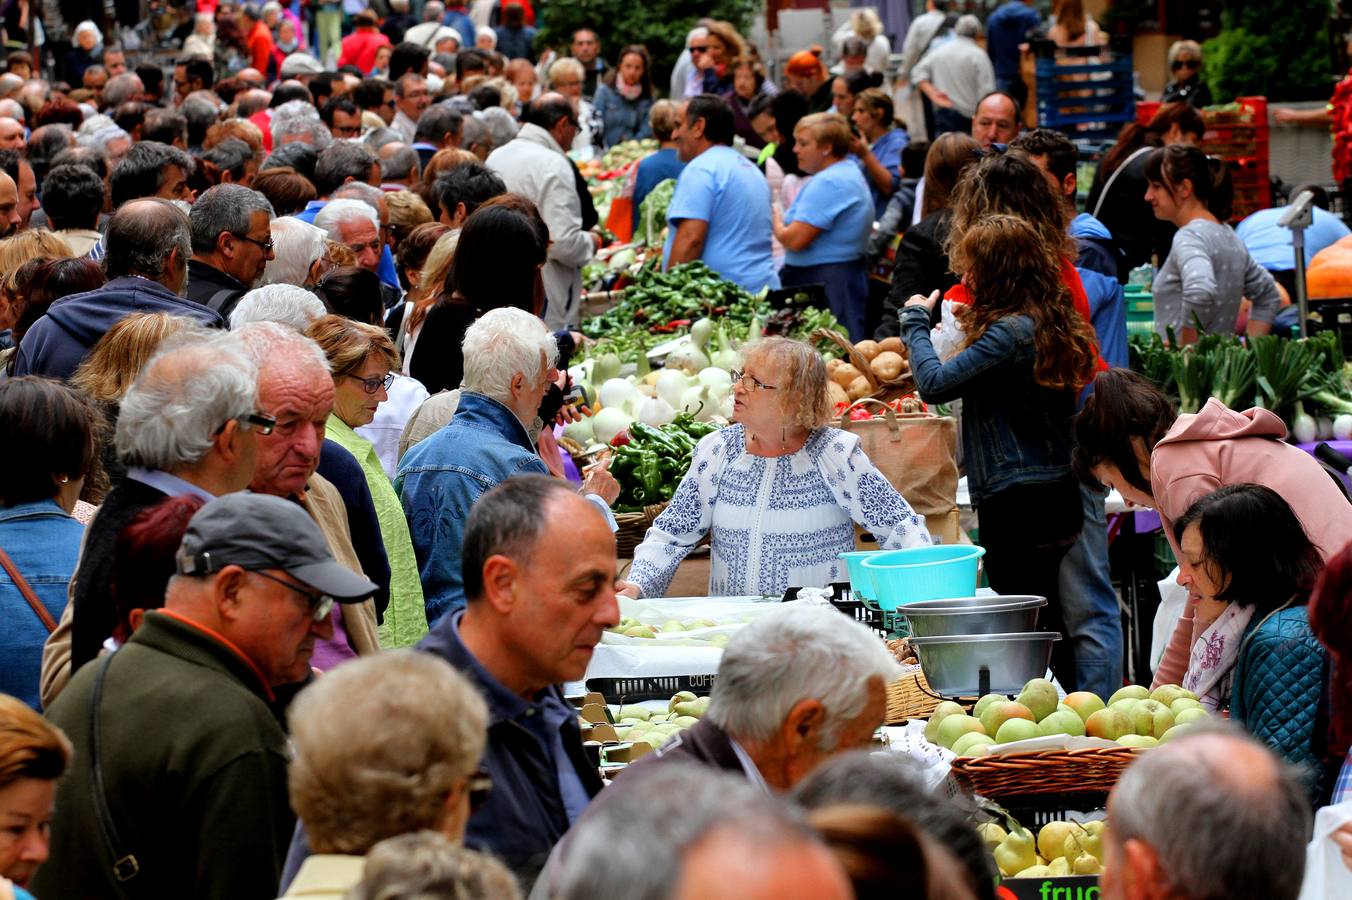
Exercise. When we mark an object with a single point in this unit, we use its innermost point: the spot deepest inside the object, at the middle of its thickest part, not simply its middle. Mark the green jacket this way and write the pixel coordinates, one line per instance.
(405, 617)
(194, 769)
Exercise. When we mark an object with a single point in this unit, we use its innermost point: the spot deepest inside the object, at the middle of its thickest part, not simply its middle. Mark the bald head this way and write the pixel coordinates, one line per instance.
(996, 120)
(13, 109)
(1163, 838)
(10, 84)
(149, 237)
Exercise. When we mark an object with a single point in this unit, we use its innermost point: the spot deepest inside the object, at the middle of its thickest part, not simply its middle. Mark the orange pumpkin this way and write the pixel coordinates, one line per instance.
(1330, 273)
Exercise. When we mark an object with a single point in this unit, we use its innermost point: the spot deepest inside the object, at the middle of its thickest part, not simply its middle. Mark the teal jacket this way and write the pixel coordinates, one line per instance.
(1278, 686)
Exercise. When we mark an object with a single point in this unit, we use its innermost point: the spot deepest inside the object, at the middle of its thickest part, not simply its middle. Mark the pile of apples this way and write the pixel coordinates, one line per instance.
(1133, 717)
(654, 728)
(1061, 848)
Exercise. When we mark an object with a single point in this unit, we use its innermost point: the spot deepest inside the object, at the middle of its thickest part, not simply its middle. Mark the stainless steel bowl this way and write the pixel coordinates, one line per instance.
(973, 615)
(952, 663)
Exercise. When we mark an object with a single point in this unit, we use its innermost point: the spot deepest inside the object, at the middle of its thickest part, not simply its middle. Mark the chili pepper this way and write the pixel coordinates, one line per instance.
(619, 440)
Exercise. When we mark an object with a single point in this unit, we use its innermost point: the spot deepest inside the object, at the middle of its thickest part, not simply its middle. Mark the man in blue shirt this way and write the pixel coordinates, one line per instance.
(1006, 29)
(720, 212)
(539, 575)
(1270, 244)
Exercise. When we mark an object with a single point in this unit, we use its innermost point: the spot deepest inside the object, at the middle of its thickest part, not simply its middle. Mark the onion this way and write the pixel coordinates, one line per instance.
(726, 409)
(656, 412)
(700, 332)
(1342, 427)
(671, 385)
(1303, 426)
(580, 431)
(605, 367)
(698, 400)
(616, 392)
(715, 378)
(688, 358)
(1323, 428)
(609, 422)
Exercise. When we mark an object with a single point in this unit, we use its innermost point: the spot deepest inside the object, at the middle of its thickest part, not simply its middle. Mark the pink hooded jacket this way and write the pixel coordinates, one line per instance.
(1219, 446)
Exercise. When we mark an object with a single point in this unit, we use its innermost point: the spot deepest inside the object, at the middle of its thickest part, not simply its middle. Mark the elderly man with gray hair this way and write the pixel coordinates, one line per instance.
(955, 75)
(298, 249)
(509, 366)
(284, 304)
(356, 224)
(1212, 814)
(231, 245)
(189, 424)
(122, 88)
(297, 121)
(148, 244)
(795, 687)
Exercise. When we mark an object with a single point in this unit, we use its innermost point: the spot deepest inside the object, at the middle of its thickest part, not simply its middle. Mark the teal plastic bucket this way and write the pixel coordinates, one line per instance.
(938, 572)
(860, 583)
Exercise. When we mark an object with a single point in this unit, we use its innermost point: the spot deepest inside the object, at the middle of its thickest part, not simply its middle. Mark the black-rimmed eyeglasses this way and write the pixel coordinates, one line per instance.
(320, 604)
(266, 246)
(371, 385)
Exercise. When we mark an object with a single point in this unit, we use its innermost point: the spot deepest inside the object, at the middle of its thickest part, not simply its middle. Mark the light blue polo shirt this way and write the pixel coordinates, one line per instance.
(725, 189)
(836, 200)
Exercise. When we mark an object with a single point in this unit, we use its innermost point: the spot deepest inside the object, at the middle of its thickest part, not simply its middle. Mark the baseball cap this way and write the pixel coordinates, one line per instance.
(300, 64)
(259, 531)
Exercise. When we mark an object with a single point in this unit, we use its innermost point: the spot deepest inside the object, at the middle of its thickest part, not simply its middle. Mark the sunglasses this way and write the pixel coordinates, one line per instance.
(479, 787)
(371, 385)
(320, 604)
(704, 49)
(1184, 64)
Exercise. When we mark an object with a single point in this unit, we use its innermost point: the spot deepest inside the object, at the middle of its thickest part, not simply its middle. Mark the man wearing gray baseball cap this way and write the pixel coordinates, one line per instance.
(178, 785)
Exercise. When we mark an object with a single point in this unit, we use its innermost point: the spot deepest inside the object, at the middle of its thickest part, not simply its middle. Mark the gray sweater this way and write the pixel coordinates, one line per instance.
(1206, 275)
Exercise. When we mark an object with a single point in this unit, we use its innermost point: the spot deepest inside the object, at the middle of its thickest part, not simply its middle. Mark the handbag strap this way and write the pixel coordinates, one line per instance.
(125, 865)
(1113, 177)
(32, 598)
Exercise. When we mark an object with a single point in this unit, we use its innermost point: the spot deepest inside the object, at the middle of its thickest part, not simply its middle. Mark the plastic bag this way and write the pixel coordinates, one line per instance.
(1173, 601)
(1326, 875)
(948, 335)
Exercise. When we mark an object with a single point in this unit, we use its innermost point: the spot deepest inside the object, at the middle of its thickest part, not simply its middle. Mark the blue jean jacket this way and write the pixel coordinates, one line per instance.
(624, 119)
(44, 544)
(441, 477)
(1014, 431)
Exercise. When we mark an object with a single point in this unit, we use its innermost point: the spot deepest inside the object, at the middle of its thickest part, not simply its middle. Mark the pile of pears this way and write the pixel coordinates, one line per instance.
(1133, 717)
(1061, 848)
(631, 627)
(638, 724)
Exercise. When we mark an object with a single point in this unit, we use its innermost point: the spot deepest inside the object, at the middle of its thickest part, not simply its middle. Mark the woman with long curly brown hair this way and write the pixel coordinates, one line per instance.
(1025, 355)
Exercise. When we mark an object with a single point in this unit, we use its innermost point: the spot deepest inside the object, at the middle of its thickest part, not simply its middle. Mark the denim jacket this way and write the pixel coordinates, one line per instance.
(1014, 431)
(44, 544)
(624, 120)
(441, 477)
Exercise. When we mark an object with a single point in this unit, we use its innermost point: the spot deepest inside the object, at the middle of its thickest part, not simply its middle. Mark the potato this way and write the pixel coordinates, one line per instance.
(860, 387)
(836, 393)
(887, 365)
(844, 374)
(867, 349)
(893, 344)
(832, 365)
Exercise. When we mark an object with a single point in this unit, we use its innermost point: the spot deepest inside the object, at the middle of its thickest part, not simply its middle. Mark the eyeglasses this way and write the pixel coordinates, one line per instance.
(480, 785)
(750, 382)
(261, 422)
(320, 604)
(266, 246)
(371, 385)
(704, 49)
(1185, 64)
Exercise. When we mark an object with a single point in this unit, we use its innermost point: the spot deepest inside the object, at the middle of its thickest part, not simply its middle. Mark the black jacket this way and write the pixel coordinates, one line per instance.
(213, 288)
(1124, 212)
(922, 267)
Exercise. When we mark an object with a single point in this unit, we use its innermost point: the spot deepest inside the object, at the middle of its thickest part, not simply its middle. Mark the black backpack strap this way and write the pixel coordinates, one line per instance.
(221, 299)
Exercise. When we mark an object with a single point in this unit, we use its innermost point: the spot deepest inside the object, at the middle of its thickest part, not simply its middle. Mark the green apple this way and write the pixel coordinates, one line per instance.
(1191, 714)
(1039, 695)
(1016, 730)
(1178, 731)
(973, 743)
(954, 727)
(1131, 691)
(1085, 704)
(1168, 693)
(1086, 864)
(1151, 717)
(942, 711)
(673, 625)
(1183, 703)
(986, 701)
(1138, 740)
(1063, 721)
(1126, 704)
(1001, 711)
(1108, 724)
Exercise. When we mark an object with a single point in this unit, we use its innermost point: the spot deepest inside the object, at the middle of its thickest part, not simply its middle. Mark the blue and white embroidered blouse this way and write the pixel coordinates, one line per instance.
(776, 522)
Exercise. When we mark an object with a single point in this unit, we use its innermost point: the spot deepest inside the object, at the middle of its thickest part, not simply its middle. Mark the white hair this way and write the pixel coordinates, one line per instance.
(565, 65)
(94, 123)
(101, 138)
(285, 304)
(968, 26)
(172, 412)
(697, 32)
(336, 212)
(793, 654)
(296, 246)
(486, 39)
(89, 26)
(271, 344)
(501, 344)
(360, 190)
(299, 117)
(499, 123)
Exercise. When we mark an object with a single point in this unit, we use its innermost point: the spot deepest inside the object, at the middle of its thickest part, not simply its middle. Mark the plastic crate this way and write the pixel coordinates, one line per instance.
(636, 690)
(1090, 101)
(863, 613)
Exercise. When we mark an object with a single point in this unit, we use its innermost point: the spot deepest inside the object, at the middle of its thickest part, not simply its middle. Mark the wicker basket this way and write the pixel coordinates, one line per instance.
(1044, 772)
(910, 697)
(632, 527)
(882, 390)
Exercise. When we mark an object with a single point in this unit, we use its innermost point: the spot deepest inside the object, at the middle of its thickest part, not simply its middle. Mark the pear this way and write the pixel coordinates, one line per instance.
(1080, 842)
(1051, 839)
(1062, 722)
(986, 701)
(693, 708)
(1016, 852)
(1096, 826)
(954, 727)
(1132, 691)
(942, 711)
(1034, 872)
(1039, 695)
(641, 631)
(679, 697)
(1087, 864)
(635, 712)
(1059, 867)
(991, 833)
(686, 721)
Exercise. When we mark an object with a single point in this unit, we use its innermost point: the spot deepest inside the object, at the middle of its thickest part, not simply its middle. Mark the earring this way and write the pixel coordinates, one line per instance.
(64, 479)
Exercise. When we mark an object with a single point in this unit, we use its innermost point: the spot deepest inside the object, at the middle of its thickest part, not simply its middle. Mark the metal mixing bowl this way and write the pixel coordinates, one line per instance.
(973, 615)
(952, 663)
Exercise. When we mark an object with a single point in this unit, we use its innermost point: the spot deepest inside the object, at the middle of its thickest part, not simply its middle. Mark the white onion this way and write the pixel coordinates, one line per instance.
(1342, 427)
(580, 431)
(609, 422)
(671, 385)
(687, 358)
(715, 378)
(656, 412)
(616, 392)
(698, 400)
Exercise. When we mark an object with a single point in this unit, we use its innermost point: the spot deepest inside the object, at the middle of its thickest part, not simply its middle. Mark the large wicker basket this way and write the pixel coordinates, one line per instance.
(632, 527)
(910, 697)
(882, 390)
(1044, 772)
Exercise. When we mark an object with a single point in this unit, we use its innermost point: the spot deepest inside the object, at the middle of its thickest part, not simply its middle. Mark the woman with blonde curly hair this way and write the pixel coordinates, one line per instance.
(817, 480)
(1026, 353)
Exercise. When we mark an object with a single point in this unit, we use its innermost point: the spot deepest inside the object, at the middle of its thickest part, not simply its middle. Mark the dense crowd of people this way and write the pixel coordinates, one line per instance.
(286, 326)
